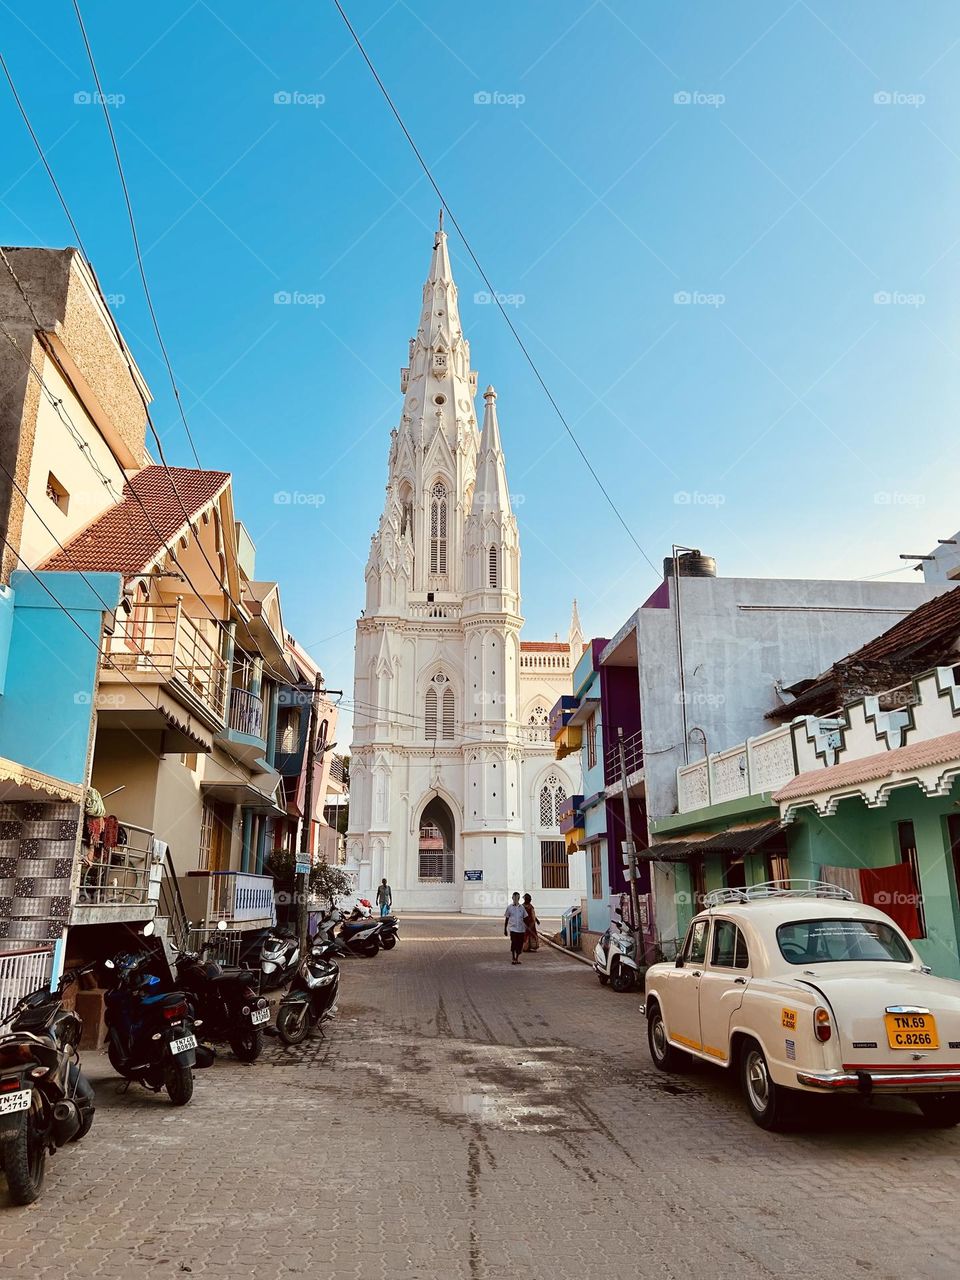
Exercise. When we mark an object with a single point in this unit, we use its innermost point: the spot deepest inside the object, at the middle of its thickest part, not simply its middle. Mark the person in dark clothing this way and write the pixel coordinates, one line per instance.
(515, 923)
(384, 897)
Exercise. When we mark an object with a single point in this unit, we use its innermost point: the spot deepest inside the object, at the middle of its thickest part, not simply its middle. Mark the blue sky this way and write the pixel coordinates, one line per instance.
(792, 169)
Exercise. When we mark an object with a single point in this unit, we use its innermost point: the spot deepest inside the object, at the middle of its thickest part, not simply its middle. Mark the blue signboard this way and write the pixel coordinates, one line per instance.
(303, 868)
(473, 875)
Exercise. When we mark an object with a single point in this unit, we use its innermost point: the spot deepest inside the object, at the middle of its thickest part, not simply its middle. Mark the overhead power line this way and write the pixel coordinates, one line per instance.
(491, 290)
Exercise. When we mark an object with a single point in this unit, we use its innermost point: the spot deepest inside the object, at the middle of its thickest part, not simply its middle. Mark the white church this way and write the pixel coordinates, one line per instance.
(455, 795)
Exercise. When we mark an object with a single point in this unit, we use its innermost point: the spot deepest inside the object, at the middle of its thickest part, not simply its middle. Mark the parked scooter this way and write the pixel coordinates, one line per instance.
(615, 956)
(357, 937)
(150, 1031)
(389, 925)
(279, 954)
(45, 1100)
(228, 1006)
(312, 997)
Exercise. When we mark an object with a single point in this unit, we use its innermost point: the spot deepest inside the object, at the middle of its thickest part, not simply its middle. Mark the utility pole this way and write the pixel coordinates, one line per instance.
(629, 848)
(302, 880)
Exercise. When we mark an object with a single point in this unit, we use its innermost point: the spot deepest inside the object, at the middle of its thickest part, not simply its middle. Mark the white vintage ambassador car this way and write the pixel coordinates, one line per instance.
(801, 989)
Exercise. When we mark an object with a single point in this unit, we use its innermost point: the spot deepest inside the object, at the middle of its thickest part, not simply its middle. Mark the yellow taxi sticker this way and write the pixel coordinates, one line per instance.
(788, 1019)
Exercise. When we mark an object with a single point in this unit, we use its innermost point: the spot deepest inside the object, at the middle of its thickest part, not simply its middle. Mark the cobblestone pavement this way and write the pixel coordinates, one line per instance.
(465, 1118)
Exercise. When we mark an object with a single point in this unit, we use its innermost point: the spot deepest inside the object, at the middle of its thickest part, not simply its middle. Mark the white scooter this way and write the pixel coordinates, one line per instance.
(279, 956)
(615, 956)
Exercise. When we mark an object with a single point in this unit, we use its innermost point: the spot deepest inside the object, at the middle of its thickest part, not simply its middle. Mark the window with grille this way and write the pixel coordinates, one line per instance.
(592, 742)
(552, 797)
(435, 862)
(438, 530)
(430, 714)
(447, 713)
(596, 869)
(494, 568)
(554, 865)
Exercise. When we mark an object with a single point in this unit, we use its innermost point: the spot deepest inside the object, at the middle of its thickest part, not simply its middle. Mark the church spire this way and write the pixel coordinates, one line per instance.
(491, 495)
(575, 635)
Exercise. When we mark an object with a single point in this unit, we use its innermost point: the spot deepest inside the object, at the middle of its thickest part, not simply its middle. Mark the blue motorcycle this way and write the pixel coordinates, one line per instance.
(150, 1031)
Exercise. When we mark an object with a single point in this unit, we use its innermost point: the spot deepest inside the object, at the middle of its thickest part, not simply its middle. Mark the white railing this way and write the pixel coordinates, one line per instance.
(435, 609)
(162, 639)
(758, 765)
(20, 973)
(237, 895)
(121, 876)
(545, 661)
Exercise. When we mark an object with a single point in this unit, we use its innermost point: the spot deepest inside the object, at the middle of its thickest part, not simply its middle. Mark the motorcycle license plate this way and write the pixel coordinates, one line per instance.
(182, 1045)
(19, 1101)
(260, 1016)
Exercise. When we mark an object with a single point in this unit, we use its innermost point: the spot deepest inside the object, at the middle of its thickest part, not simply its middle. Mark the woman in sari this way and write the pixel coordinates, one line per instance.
(532, 941)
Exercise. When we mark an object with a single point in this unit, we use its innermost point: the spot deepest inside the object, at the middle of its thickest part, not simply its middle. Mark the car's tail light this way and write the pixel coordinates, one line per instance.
(174, 1012)
(822, 1026)
(8, 1085)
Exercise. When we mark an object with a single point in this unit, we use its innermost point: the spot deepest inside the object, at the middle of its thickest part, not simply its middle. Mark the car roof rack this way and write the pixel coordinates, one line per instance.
(778, 889)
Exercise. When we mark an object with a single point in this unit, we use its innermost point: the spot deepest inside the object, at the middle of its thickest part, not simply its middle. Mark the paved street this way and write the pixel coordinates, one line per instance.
(469, 1119)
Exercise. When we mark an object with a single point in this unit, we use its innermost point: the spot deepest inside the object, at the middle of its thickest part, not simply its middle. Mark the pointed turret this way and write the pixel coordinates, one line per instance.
(575, 635)
(491, 495)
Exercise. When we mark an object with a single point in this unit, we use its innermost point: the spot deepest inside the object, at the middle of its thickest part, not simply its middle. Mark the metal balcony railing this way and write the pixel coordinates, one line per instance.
(163, 640)
(120, 876)
(20, 973)
(633, 758)
(246, 712)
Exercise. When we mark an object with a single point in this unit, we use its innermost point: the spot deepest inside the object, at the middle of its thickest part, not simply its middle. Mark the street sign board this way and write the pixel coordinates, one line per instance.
(303, 868)
(474, 876)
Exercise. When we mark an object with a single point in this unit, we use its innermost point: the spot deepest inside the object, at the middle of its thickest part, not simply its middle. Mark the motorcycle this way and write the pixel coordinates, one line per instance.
(230, 1009)
(45, 1100)
(279, 954)
(312, 997)
(615, 956)
(357, 937)
(150, 1031)
(389, 924)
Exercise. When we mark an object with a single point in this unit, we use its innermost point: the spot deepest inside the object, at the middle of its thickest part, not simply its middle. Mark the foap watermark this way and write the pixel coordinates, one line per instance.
(297, 298)
(694, 498)
(484, 699)
(297, 498)
(102, 700)
(897, 98)
(298, 98)
(694, 298)
(894, 498)
(484, 299)
(88, 98)
(697, 98)
(482, 498)
(114, 299)
(497, 98)
(700, 699)
(897, 298)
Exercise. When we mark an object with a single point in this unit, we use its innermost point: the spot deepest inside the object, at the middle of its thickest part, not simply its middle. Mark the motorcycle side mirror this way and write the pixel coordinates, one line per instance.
(148, 930)
(221, 926)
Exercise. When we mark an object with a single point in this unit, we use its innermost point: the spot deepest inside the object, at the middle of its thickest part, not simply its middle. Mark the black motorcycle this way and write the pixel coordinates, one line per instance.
(45, 1100)
(279, 954)
(150, 1030)
(312, 997)
(225, 1003)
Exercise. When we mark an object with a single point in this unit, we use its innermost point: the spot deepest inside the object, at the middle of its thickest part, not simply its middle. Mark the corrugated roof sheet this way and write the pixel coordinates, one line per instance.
(129, 537)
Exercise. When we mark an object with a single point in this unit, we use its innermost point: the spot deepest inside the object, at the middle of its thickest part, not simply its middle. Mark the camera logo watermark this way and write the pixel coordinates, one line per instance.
(694, 498)
(497, 98)
(484, 299)
(697, 98)
(296, 298)
(88, 98)
(297, 98)
(295, 498)
(693, 298)
(896, 298)
(894, 498)
(896, 98)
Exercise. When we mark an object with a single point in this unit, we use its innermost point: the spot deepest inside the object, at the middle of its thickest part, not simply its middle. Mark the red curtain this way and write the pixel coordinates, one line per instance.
(894, 891)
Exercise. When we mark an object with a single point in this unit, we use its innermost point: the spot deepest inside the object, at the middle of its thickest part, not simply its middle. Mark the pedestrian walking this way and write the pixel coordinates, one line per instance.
(532, 938)
(515, 923)
(384, 897)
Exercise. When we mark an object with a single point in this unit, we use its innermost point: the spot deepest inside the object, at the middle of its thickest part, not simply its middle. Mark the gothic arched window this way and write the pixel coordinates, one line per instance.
(552, 797)
(430, 713)
(494, 574)
(438, 530)
(448, 713)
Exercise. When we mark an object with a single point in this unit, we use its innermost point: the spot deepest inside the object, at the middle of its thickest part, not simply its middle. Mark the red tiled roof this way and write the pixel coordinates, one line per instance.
(130, 536)
(545, 646)
(938, 618)
(904, 760)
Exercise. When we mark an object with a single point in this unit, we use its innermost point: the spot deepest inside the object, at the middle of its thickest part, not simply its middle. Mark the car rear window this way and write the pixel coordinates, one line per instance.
(833, 941)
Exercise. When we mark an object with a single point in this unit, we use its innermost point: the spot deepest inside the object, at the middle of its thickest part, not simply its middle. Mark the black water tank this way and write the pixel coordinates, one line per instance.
(691, 564)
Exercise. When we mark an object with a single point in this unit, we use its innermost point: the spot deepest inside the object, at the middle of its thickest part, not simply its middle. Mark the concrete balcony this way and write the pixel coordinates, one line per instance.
(761, 764)
(123, 884)
(238, 897)
(243, 734)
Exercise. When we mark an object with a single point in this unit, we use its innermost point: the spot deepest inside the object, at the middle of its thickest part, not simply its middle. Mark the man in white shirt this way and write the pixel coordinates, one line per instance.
(515, 923)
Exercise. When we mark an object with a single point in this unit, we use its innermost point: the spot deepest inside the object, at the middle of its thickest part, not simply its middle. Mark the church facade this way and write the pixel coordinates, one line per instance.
(455, 795)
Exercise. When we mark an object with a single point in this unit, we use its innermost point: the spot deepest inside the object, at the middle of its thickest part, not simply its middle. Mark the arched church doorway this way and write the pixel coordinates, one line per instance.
(436, 853)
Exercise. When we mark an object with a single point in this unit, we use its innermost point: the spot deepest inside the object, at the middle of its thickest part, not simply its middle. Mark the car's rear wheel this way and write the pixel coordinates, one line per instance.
(769, 1104)
(940, 1110)
(665, 1056)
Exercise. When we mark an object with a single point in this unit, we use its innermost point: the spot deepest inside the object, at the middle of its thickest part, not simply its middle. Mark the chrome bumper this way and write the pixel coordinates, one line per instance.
(881, 1081)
